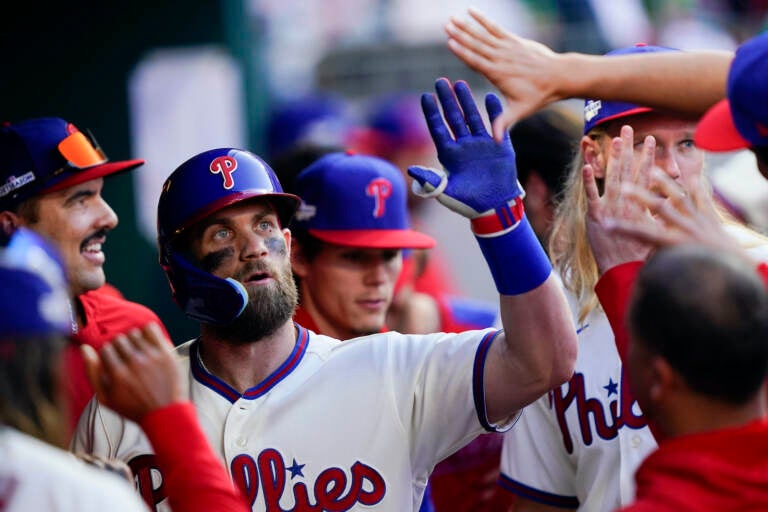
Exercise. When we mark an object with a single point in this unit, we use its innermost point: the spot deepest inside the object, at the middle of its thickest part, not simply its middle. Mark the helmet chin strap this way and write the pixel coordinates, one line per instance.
(203, 296)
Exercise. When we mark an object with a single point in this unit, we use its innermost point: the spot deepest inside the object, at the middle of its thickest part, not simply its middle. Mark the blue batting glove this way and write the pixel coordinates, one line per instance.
(480, 175)
(480, 183)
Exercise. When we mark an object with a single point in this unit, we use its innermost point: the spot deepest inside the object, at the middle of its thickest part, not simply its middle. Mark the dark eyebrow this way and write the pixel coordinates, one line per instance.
(79, 194)
(224, 221)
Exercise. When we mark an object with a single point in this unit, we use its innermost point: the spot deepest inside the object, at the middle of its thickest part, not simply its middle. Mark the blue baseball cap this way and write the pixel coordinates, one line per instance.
(396, 121)
(741, 120)
(33, 297)
(47, 154)
(356, 201)
(598, 111)
(316, 118)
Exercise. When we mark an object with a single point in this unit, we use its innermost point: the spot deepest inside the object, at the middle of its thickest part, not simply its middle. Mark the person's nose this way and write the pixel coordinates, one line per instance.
(107, 218)
(667, 162)
(377, 272)
(253, 246)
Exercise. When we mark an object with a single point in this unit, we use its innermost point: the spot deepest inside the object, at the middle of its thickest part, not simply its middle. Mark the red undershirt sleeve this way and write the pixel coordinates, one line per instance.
(195, 478)
(762, 269)
(613, 291)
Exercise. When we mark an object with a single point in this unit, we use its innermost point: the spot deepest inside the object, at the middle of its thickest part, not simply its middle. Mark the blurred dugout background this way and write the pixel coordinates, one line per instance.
(163, 80)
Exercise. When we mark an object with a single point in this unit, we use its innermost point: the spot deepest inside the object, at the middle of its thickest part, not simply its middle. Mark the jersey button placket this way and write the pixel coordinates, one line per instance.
(236, 423)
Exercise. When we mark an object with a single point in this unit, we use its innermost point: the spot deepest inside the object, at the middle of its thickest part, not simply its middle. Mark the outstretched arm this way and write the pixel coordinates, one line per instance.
(530, 75)
(537, 349)
(136, 375)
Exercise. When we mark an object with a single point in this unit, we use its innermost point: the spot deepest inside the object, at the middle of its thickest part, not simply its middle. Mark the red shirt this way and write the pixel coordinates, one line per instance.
(721, 470)
(106, 316)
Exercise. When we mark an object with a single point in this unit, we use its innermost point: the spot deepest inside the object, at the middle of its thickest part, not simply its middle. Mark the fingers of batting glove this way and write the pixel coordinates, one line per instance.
(437, 129)
(427, 182)
(453, 112)
(495, 110)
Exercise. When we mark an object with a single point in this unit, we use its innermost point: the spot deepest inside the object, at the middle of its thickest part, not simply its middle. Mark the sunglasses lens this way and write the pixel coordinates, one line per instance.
(80, 152)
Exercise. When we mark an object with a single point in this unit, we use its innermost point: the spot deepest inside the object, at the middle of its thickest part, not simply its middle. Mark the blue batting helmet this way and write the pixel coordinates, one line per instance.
(202, 185)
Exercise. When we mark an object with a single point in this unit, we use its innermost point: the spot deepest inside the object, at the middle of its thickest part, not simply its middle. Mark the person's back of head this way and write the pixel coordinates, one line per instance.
(706, 314)
(35, 319)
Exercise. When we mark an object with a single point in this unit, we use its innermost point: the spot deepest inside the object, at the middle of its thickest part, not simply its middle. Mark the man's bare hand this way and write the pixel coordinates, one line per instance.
(678, 217)
(523, 70)
(612, 248)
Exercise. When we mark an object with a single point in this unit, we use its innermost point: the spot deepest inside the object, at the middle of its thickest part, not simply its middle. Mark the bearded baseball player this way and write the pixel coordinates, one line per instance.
(307, 422)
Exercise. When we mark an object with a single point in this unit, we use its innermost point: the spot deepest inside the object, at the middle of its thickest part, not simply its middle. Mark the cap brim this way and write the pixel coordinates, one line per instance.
(91, 173)
(717, 132)
(618, 115)
(376, 238)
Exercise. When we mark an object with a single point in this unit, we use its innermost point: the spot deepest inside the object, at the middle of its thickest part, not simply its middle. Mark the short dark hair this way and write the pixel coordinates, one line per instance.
(289, 164)
(706, 313)
(546, 142)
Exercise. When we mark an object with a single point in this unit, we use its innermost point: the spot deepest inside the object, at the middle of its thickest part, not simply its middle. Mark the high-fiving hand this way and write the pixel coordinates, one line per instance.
(480, 174)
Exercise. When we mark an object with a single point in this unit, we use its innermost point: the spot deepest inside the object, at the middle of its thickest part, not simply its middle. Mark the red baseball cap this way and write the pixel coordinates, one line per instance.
(43, 155)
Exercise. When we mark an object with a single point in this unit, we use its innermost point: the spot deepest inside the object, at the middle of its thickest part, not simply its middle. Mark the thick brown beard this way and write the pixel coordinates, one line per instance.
(268, 308)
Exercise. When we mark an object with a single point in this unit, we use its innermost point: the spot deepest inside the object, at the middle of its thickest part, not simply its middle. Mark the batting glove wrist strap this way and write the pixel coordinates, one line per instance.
(516, 258)
(500, 220)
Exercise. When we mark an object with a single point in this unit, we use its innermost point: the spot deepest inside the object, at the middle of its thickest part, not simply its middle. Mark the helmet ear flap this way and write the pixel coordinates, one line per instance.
(203, 296)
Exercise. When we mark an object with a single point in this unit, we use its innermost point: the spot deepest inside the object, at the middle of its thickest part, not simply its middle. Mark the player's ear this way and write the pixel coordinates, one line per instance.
(9, 221)
(288, 240)
(665, 380)
(592, 149)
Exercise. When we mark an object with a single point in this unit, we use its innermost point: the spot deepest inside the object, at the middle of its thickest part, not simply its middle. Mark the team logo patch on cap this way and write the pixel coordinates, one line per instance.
(380, 189)
(305, 211)
(14, 183)
(592, 109)
(224, 165)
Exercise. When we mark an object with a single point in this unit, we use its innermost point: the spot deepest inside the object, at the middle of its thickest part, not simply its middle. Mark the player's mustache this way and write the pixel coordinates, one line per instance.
(102, 233)
(255, 267)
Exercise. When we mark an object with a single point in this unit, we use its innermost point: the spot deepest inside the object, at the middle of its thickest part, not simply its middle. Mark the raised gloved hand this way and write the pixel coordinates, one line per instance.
(480, 183)
(480, 174)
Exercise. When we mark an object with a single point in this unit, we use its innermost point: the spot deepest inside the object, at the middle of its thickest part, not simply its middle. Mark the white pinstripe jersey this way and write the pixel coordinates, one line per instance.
(339, 426)
(579, 445)
(36, 476)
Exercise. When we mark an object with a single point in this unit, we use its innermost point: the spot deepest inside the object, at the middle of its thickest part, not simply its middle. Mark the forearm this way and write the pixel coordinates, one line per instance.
(535, 353)
(687, 81)
(537, 349)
